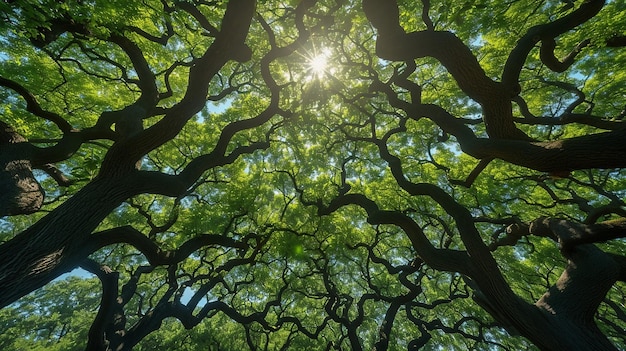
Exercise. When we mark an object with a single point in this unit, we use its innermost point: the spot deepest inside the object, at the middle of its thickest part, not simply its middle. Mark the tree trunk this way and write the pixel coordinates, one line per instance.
(20, 193)
(566, 312)
(54, 245)
(556, 333)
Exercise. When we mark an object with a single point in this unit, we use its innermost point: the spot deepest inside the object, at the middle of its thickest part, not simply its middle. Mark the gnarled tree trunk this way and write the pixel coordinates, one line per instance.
(53, 245)
(20, 193)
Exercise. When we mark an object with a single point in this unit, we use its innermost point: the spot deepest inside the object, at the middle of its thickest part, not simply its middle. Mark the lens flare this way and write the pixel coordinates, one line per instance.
(318, 64)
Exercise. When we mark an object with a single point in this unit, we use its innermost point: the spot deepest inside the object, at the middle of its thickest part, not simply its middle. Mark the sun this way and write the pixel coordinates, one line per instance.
(318, 64)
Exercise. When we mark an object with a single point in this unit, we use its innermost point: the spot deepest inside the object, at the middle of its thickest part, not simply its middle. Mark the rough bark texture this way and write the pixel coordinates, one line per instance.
(602, 150)
(53, 245)
(20, 193)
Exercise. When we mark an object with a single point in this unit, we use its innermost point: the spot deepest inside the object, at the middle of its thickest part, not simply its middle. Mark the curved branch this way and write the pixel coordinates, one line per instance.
(33, 106)
(425, 17)
(228, 45)
(154, 254)
(394, 44)
(580, 96)
(195, 13)
(549, 59)
(97, 336)
(147, 81)
(548, 31)
(386, 326)
(441, 259)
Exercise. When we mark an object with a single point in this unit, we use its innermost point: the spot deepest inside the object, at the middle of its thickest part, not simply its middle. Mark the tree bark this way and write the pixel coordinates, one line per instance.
(20, 193)
(568, 308)
(53, 245)
(601, 151)
(563, 318)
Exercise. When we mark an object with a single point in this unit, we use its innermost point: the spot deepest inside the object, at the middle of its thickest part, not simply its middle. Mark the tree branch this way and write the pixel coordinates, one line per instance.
(571, 234)
(549, 59)
(394, 44)
(228, 45)
(56, 174)
(98, 338)
(154, 254)
(33, 106)
(548, 31)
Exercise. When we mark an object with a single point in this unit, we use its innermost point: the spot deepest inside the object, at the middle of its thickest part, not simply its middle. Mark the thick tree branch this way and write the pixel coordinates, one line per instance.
(394, 44)
(571, 234)
(590, 272)
(571, 118)
(602, 150)
(580, 289)
(33, 106)
(559, 65)
(441, 259)
(154, 254)
(109, 312)
(548, 31)
(52, 249)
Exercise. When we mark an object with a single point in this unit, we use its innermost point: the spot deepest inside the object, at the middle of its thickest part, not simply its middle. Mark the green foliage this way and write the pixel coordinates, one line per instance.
(283, 276)
(56, 317)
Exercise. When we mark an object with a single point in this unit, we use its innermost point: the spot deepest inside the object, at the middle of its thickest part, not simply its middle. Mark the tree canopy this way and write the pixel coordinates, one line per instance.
(314, 174)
